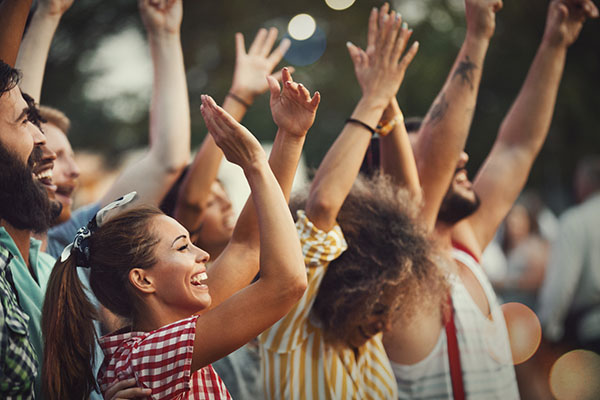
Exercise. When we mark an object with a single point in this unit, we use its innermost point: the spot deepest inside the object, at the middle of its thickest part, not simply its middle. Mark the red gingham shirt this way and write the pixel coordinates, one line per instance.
(160, 360)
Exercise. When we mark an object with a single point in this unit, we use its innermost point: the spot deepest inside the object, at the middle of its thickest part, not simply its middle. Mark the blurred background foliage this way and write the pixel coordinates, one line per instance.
(99, 73)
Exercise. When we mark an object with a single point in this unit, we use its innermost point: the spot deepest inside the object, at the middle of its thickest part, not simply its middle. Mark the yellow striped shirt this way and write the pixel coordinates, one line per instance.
(296, 361)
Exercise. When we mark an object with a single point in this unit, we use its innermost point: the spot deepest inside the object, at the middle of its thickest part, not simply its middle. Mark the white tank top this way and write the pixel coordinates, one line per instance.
(485, 355)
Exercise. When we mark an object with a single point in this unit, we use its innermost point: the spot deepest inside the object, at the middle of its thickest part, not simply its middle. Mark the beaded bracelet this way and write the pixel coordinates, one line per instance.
(385, 127)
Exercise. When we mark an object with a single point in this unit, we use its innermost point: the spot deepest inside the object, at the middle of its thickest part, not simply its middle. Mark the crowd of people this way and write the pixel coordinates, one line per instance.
(367, 285)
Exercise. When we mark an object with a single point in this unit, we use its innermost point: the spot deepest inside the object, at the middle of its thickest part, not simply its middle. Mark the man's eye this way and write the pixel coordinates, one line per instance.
(182, 248)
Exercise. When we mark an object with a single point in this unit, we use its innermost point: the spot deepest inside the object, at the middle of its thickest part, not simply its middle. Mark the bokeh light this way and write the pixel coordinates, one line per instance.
(339, 4)
(306, 52)
(524, 331)
(576, 375)
(302, 26)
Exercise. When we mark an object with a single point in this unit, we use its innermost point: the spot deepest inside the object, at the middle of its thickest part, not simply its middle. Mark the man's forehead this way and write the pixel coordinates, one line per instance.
(12, 103)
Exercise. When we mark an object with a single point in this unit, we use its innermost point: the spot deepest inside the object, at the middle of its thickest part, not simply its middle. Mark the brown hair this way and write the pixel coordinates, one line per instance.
(127, 241)
(55, 117)
(388, 256)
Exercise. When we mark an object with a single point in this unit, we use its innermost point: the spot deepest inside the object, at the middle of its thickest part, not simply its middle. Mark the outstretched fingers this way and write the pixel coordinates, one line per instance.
(409, 56)
(400, 45)
(373, 30)
(258, 41)
(268, 43)
(280, 51)
(240, 45)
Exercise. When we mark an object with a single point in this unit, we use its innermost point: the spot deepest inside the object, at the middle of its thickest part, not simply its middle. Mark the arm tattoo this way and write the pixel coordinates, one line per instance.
(438, 111)
(465, 71)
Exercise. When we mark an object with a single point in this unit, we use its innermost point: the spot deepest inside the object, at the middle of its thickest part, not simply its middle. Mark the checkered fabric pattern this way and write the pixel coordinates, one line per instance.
(18, 367)
(160, 360)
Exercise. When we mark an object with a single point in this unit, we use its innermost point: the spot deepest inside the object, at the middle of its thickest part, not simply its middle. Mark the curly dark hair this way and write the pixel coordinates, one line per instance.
(9, 77)
(389, 260)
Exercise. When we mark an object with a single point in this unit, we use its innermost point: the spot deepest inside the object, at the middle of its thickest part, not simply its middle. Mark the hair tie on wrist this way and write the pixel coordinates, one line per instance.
(357, 122)
(239, 100)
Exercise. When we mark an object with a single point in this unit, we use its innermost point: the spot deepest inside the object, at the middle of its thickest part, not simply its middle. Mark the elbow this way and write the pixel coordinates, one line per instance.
(293, 288)
(319, 207)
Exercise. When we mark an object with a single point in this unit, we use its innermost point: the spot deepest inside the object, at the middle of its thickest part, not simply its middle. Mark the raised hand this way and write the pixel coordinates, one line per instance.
(379, 69)
(481, 16)
(292, 107)
(54, 7)
(565, 20)
(253, 66)
(161, 16)
(237, 143)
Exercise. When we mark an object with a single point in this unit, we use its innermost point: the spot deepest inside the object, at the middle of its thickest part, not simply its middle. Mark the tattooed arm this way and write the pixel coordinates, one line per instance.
(525, 127)
(443, 134)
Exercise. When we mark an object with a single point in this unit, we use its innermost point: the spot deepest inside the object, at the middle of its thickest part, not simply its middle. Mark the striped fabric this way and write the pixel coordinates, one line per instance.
(485, 354)
(296, 361)
(160, 360)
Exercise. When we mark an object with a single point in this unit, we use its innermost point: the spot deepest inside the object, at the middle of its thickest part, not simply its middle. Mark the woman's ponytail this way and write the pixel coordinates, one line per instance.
(69, 335)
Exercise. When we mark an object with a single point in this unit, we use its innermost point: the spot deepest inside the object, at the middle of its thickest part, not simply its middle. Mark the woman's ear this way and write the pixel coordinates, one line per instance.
(141, 280)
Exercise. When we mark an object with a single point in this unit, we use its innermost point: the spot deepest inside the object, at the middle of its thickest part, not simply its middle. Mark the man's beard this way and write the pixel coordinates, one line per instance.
(24, 203)
(456, 207)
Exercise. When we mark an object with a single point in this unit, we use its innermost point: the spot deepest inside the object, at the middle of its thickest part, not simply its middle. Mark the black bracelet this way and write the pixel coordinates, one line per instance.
(355, 121)
(239, 100)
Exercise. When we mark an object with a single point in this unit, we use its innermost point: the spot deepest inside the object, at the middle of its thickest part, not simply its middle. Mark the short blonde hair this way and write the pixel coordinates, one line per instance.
(55, 117)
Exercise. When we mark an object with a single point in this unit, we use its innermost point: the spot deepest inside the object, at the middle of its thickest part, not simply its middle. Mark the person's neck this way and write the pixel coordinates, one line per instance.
(155, 316)
(43, 238)
(21, 238)
(443, 235)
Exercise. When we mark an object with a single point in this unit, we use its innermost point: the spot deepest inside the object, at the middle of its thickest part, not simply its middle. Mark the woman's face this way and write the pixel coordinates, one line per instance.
(218, 220)
(179, 275)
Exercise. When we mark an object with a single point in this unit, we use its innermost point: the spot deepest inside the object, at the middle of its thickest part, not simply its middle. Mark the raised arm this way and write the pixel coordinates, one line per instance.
(35, 47)
(283, 277)
(13, 16)
(444, 132)
(379, 71)
(395, 149)
(251, 69)
(169, 150)
(526, 125)
(294, 112)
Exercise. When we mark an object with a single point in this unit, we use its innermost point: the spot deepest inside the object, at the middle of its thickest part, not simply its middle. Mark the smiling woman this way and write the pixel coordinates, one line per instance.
(145, 268)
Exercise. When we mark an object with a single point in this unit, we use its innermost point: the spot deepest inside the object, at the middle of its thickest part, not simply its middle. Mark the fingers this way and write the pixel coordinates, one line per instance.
(372, 33)
(257, 43)
(355, 54)
(112, 391)
(273, 87)
(409, 56)
(303, 91)
(316, 100)
(268, 43)
(133, 393)
(395, 22)
(401, 43)
(279, 74)
(280, 51)
(240, 45)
